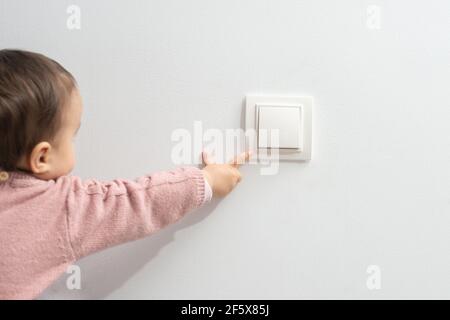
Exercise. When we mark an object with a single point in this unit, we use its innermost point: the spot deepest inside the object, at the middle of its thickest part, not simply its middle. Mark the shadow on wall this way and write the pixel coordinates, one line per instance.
(104, 272)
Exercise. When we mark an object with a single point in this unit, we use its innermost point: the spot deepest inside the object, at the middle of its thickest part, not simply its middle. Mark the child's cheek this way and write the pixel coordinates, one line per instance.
(72, 157)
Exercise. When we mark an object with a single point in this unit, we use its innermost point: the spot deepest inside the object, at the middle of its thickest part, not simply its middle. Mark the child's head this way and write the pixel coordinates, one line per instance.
(40, 113)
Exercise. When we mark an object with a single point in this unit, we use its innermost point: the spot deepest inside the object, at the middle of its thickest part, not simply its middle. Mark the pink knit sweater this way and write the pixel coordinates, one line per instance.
(47, 225)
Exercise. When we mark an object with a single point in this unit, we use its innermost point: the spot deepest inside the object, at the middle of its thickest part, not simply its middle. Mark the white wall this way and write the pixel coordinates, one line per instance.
(377, 191)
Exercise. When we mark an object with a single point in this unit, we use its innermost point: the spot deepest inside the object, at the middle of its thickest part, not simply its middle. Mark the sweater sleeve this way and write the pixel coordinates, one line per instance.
(104, 214)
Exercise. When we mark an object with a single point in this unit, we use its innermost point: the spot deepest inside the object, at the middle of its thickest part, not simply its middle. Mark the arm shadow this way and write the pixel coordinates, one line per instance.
(106, 271)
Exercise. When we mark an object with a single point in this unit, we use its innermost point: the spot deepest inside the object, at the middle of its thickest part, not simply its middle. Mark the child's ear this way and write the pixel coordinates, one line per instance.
(39, 160)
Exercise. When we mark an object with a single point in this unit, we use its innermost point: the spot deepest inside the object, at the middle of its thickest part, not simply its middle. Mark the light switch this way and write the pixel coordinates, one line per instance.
(286, 120)
(290, 115)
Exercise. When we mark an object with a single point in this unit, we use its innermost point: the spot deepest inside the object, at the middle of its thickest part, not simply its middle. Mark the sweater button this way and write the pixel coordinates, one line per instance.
(4, 176)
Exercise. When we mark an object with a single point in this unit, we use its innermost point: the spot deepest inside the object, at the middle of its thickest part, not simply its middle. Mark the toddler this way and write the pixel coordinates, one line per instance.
(49, 218)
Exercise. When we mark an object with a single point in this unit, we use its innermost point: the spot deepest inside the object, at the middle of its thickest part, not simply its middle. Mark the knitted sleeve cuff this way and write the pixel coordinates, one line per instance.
(208, 192)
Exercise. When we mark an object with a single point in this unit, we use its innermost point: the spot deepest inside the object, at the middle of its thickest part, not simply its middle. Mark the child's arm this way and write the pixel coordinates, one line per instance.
(101, 215)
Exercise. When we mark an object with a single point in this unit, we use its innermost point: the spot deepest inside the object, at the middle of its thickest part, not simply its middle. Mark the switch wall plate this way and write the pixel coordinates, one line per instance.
(292, 115)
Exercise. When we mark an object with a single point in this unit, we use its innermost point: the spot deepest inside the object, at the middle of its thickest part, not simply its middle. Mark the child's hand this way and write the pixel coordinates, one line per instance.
(223, 177)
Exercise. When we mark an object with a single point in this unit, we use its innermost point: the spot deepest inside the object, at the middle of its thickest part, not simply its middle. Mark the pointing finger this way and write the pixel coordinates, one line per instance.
(240, 159)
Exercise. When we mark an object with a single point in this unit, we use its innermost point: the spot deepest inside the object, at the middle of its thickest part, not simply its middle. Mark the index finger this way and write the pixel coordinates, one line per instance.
(240, 159)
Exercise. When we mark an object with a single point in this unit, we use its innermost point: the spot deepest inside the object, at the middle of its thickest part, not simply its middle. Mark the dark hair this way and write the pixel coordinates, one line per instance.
(33, 91)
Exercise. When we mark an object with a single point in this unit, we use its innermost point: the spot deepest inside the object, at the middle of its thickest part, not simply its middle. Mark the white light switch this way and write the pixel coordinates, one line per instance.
(291, 116)
(279, 126)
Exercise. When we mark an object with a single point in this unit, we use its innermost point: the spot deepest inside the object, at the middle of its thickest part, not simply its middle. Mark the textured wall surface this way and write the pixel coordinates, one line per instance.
(377, 191)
